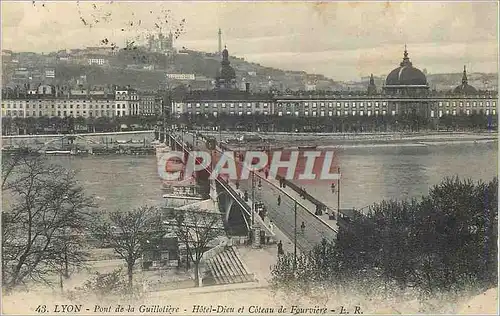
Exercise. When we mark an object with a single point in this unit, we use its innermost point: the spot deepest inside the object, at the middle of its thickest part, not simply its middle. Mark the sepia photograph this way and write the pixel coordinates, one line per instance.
(249, 157)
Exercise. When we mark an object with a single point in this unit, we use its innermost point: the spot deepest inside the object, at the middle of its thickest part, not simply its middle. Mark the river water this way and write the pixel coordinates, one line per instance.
(369, 173)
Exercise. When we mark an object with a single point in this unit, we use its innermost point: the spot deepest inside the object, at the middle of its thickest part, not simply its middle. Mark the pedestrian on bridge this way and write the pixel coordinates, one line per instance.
(279, 200)
(302, 227)
(271, 227)
(280, 249)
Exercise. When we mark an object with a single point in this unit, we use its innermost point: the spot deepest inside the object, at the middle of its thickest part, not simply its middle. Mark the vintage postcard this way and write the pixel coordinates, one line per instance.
(249, 158)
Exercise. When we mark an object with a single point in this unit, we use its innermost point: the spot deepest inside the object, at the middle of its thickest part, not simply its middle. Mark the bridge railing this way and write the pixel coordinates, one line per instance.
(243, 204)
(312, 199)
(324, 206)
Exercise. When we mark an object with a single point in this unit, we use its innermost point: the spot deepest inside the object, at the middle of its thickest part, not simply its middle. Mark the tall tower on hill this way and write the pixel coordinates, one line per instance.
(220, 42)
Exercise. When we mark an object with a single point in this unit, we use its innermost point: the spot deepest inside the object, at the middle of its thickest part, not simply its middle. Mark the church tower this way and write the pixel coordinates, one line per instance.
(226, 76)
(372, 89)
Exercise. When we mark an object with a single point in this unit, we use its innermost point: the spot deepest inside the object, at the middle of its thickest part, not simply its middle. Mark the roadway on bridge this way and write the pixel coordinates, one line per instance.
(283, 215)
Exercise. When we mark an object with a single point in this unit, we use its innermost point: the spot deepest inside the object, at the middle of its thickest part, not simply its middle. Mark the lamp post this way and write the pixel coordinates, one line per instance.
(164, 116)
(338, 192)
(295, 238)
(253, 199)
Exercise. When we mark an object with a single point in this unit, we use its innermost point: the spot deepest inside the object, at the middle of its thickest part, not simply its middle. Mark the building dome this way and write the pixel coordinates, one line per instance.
(406, 75)
(465, 87)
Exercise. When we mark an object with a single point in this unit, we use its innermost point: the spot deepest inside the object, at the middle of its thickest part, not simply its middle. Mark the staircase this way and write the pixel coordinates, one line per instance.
(227, 268)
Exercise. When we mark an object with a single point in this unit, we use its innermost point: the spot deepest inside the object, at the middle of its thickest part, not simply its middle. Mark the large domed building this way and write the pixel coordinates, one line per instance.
(406, 80)
(465, 88)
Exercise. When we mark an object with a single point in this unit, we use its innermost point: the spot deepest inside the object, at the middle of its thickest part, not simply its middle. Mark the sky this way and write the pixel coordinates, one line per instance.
(342, 40)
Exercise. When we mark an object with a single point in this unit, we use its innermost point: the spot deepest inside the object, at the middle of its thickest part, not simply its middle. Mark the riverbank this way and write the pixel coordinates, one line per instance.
(99, 145)
(382, 136)
(347, 140)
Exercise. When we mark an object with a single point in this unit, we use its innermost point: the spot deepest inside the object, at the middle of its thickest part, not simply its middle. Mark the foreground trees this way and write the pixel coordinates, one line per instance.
(341, 124)
(128, 233)
(196, 229)
(44, 217)
(444, 242)
(255, 122)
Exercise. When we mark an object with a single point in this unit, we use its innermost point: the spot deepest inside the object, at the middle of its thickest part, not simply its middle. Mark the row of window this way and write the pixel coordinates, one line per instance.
(353, 113)
(64, 106)
(65, 101)
(331, 104)
(377, 104)
(468, 104)
(338, 104)
(280, 113)
(467, 112)
(321, 113)
(231, 105)
(64, 113)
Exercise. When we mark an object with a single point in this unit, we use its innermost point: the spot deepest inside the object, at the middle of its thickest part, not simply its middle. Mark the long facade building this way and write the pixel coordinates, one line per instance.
(48, 101)
(405, 91)
(320, 106)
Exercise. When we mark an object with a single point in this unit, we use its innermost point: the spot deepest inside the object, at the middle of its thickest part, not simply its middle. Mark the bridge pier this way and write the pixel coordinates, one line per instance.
(234, 217)
(227, 208)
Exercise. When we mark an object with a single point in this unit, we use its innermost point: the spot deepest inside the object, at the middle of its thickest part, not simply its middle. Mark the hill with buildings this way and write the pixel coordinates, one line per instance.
(146, 69)
(153, 68)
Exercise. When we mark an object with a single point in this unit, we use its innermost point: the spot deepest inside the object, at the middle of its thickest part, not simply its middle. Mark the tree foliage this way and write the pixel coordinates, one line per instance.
(128, 232)
(444, 241)
(339, 124)
(44, 222)
(104, 285)
(196, 229)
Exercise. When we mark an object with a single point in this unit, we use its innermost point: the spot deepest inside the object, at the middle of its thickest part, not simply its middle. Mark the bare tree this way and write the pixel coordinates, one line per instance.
(128, 232)
(47, 212)
(10, 162)
(196, 229)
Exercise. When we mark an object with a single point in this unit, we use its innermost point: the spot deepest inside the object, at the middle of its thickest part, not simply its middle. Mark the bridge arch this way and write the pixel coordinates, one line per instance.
(235, 218)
